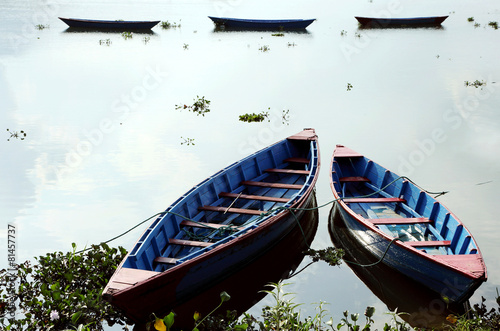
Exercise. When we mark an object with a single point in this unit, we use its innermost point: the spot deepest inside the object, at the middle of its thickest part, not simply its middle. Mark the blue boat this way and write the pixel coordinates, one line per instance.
(217, 227)
(252, 24)
(109, 24)
(374, 22)
(404, 227)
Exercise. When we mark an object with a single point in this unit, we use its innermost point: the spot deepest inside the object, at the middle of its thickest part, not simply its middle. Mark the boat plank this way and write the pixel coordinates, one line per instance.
(372, 200)
(165, 260)
(188, 242)
(397, 221)
(473, 262)
(288, 171)
(297, 160)
(231, 210)
(253, 197)
(354, 179)
(272, 185)
(206, 225)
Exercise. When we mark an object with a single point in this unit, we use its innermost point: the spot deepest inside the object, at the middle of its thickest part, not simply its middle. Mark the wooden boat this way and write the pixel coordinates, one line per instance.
(109, 24)
(405, 227)
(252, 24)
(400, 22)
(217, 227)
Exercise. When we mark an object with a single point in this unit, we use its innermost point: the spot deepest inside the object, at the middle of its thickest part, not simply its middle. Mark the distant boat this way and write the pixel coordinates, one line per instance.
(249, 24)
(222, 224)
(400, 22)
(405, 227)
(109, 24)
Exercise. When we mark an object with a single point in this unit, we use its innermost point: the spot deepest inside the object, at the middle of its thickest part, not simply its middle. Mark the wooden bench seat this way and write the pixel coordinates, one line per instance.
(252, 197)
(354, 179)
(398, 221)
(288, 171)
(231, 210)
(165, 260)
(193, 243)
(205, 225)
(372, 200)
(271, 185)
(428, 243)
(297, 160)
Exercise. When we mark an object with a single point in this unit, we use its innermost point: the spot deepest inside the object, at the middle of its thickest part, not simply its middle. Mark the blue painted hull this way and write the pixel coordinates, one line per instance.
(433, 247)
(400, 22)
(164, 269)
(251, 24)
(108, 24)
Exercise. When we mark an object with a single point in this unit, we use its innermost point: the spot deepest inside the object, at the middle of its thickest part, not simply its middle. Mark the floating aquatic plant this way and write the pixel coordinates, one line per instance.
(186, 46)
(146, 39)
(105, 42)
(493, 25)
(292, 44)
(265, 48)
(41, 26)
(187, 141)
(278, 34)
(127, 35)
(200, 106)
(349, 86)
(285, 117)
(250, 118)
(343, 33)
(168, 25)
(16, 135)
(475, 84)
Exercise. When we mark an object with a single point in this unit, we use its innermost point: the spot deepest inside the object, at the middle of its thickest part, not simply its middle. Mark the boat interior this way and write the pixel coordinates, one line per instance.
(227, 204)
(399, 208)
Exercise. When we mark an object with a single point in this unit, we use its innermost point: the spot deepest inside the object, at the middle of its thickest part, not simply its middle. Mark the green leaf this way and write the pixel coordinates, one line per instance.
(169, 320)
(224, 296)
(75, 317)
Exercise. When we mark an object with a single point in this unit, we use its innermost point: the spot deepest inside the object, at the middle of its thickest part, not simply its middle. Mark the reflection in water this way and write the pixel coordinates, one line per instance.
(245, 286)
(424, 308)
(107, 31)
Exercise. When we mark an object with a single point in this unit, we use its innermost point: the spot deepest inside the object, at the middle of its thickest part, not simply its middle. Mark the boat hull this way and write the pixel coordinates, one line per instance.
(252, 24)
(400, 22)
(434, 275)
(404, 227)
(108, 24)
(142, 286)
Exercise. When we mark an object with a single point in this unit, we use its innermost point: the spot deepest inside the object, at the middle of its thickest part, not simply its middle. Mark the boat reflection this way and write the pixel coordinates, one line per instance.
(245, 285)
(423, 308)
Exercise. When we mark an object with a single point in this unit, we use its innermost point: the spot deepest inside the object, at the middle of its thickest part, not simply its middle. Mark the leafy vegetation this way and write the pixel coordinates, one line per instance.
(253, 117)
(470, 19)
(106, 42)
(127, 35)
(199, 107)
(62, 291)
(280, 34)
(16, 135)
(187, 141)
(493, 25)
(475, 84)
(265, 48)
(349, 86)
(41, 26)
(168, 25)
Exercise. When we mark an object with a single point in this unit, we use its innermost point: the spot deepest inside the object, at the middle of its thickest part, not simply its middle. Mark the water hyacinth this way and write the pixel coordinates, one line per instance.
(54, 315)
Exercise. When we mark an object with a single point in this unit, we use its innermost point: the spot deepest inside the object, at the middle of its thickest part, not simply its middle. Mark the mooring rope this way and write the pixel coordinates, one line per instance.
(223, 229)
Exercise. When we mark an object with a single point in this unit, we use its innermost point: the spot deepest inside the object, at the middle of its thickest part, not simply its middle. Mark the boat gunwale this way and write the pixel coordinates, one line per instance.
(366, 223)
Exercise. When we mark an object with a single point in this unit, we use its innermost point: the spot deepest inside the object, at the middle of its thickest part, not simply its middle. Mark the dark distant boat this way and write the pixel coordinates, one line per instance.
(109, 24)
(250, 24)
(217, 227)
(401, 22)
(405, 227)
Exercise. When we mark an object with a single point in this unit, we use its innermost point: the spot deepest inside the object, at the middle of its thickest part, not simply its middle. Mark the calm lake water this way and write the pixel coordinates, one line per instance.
(106, 148)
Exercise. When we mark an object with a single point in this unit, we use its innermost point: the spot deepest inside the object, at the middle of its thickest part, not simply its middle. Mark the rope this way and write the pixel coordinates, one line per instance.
(261, 216)
(374, 263)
